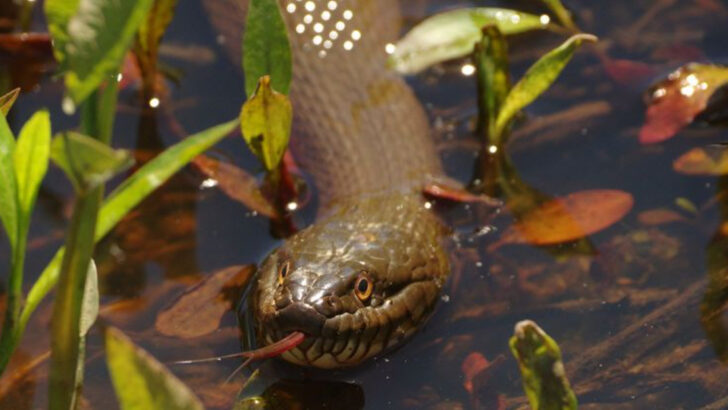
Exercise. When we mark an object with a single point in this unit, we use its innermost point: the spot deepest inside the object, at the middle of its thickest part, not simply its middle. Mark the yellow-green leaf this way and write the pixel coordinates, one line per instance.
(453, 34)
(30, 159)
(265, 122)
(151, 31)
(538, 79)
(542, 370)
(7, 101)
(8, 186)
(561, 13)
(140, 381)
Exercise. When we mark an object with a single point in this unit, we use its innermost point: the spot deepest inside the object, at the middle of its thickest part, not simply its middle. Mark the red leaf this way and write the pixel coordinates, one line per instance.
(677, 100)
(439, 190)
(627, 71)
(473, 364)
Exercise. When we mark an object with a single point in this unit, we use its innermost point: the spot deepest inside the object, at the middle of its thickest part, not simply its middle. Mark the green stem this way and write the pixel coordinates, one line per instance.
(65, 333)
(15, 295)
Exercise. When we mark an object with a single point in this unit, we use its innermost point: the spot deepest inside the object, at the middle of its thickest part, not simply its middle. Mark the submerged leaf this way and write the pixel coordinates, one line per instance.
(265, 121)
(199, 310)
(538, 79)
(708, 160)
(31, 160)
(677, 100)
(571, 217)
(140, 381)
(7, 101)
(86, 161)
(98, 36)
(542, 370)
(453, 34)
(267, 51)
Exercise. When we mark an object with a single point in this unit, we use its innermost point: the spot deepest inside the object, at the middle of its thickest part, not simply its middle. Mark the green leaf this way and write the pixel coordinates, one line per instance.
(128, 195)
(31, 160)
(542, 370)
(58, 14)
(453, 34)
(140, 381)
(561, 13)
(8, 185)
(7, 101)
(494, 82)
(538, 79)
(266, 47)
(265, 122)
(100, 33)
(86, 161)
(151, 31)
(89, 313)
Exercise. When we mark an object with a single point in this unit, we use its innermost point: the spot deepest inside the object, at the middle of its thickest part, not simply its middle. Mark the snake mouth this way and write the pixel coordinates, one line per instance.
(300, 317)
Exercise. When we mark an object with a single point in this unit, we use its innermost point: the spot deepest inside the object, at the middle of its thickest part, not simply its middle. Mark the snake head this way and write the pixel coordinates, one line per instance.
(354, 283)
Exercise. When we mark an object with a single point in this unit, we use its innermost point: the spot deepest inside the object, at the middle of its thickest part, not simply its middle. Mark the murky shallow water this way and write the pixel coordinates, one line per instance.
(627, 316)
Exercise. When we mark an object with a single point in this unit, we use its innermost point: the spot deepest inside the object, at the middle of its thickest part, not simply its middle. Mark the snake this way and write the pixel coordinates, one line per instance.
(369, 271)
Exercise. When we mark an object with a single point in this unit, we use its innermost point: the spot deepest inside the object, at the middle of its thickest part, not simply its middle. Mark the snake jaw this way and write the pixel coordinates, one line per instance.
(301, 317)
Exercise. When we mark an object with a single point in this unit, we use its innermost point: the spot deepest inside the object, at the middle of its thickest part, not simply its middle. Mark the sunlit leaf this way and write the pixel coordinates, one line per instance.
(538, 79)
(237, 184)
(571, 217)
(494, 81)
(7, 101)
(265, 121)
(199, 310)
(94, 40)
(8, 185)
(128, 195)
(686, 205)
(708, 160)
(87, 162)
(140, 381)
(31, 160)
(453, 34)
(677, 100)
(561, 13)
(267, 50)
(542, 370)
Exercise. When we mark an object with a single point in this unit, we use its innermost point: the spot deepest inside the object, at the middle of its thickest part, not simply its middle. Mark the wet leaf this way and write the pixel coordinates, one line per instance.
(237, 184)
(453, 34)
(89, 313)
(538, 79)
(199, 310)
(125, 197)
(473, 364)
(494, 81)
(659, 216)
(265, 122)
(267, 51)
(708, 160)
(677, 100)
(686, 205)
(86, 161)
(625, 71)
(542, 370)
(561, 13)
(140, 381)
(457, 194)
(8, 185)
(30, 160)
(7, 101)
(152, 30)
(91, 38)
(571, 217)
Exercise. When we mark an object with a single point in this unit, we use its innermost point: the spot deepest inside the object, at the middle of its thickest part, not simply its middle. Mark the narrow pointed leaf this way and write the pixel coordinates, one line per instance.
(538, 79)
(30, 160)
(159, 17)
(8, 186)
(542, 369)
(265, 122)
(86, 161)
(142, 382)
(7, 101)
(267, 50)
(494, 82)
(128, 195)
(99, 34)
(453, 34)
(561, 13)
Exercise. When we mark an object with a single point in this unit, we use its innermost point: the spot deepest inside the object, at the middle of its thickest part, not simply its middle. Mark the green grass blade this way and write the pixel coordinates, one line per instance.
(31, 160)
(538, 79)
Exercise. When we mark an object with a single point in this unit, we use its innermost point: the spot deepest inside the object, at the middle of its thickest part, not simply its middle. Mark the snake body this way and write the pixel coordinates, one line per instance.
(368, 273)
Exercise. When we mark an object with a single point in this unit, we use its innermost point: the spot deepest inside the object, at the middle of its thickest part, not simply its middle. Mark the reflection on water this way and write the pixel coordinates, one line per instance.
(638, 309)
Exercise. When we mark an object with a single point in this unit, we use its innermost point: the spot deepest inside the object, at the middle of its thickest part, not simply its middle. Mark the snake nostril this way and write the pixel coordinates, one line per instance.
(282, 297)
(327, 305)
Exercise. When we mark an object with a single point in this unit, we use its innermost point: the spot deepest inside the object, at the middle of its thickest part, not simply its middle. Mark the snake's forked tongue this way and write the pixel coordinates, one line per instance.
(272, 350)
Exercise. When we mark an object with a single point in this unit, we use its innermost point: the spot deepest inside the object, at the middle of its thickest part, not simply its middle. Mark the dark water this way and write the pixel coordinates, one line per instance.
(627, 315)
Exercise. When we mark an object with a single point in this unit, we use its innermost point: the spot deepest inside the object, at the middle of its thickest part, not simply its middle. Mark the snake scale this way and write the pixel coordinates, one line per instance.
(368, 272)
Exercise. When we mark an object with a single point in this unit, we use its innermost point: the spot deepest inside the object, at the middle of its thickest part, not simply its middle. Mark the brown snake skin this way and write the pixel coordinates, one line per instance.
(364, 137)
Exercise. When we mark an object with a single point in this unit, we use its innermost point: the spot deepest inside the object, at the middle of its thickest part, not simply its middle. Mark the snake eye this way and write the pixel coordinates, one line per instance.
(363, 287)
(283, 271)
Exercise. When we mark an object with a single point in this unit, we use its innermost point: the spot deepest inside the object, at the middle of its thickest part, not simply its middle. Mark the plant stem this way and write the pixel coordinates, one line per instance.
(15, 296)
